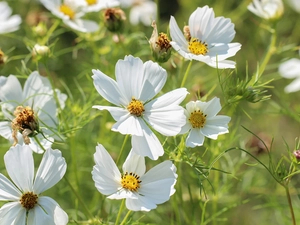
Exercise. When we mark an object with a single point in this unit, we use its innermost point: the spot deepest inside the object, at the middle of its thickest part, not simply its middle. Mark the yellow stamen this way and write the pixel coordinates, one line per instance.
(130, 181)
(67, 11)
(136, 107)
(197, 47)
(29, 200)
(197, 119)
(91, 2)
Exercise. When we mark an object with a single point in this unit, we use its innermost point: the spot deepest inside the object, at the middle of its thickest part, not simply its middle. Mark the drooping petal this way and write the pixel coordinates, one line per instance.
(123, 193)
(51, 170)
(147, 144)
(51, 211)
(140, 204)
(108, 89)
(37, 216)
(129, 124)
(20, 166)
(129, 77)
(154, 79)
(220, 52)
(84, 26)
(105, 173)
(8, 191)
(213, 131)
(5, 130)
(224, 64)
(134, 163)
(195, 138)
(12, 213)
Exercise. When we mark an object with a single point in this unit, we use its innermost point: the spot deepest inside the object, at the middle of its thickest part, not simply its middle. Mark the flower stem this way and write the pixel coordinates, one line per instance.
(122, 148)
(50, 32)
(126, 217)
(186, 74)
(287, 191)
(120, 211)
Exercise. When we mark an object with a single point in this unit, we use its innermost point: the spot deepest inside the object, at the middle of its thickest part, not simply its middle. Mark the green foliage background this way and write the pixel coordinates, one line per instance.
(239, 190)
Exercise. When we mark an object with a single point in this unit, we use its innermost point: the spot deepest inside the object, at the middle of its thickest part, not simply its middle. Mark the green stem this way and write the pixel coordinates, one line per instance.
(122, 148)
(39, 143)
(126, 217)
(186, 73)
(287, 191)
(50, 32)
(88, 213)
(120, 211)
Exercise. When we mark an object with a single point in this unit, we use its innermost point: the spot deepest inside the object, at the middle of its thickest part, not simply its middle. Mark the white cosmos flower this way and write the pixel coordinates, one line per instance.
(267, 9)
(133, 91)
(141, 11)
(37, 98)
(291, 69)
(203, 121)
(97, 5)
(143, 191)
(71, 11)
(23, 194)
(8, 23)
(206, 38)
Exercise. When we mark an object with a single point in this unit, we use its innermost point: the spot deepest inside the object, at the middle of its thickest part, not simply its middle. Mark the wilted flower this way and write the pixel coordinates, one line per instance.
(267, 9)
(160, 45)
(141, 11)
(71, 11)
(133, 91)
(291, 69)
(206, 38)
(8, 23)
(25, 204)
(142, 191)
(97, 5)
(31, 113)
(202, 121)
(114, 19)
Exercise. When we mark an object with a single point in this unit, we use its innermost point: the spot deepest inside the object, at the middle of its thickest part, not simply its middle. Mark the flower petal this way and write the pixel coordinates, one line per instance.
(213, 131)
(5, 130)
(177, 36)
(13, 213)
(129, 124)
(147, 145)
(293, 86)
(51, 170)
(11, 90)
(8, 191)
(85, 26)
(116, 112)
(164, 114)
(20, 166)
(134, 163)
(212, 107)
(106, 174)
(195, 138)
(108, 89)
(290, 68)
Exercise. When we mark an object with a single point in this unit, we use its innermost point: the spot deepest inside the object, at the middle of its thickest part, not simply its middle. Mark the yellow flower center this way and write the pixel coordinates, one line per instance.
(197, 47)
(91, 2)
(130, 181)
(25, 123)
(197, 119)
(67, 11)
(29, 200)
(136, 107)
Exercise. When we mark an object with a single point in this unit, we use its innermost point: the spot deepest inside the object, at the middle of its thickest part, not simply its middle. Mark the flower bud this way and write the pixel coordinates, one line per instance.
(297, 155)
(3, 57)
(160, 45)
(40, 29)
(40, 50)
(114, 19)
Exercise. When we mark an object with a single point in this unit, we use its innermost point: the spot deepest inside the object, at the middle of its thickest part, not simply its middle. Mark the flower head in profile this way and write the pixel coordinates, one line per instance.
(30, 113)
(25, 204)
(206, 38)
(97, 5)
(8, 23)
(267, 9)
(71, 11)
(133, 91)
(291, 70)
(143, 11)
(142, 191)
(203, 121)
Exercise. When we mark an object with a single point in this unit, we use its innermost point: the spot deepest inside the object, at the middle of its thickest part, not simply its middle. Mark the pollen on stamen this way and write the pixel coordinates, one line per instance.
(136, 107)
(29, 200)
(130, 181)
(197, 119)
(67, 11)
(198, 47)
